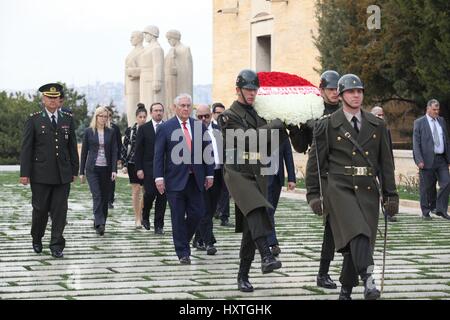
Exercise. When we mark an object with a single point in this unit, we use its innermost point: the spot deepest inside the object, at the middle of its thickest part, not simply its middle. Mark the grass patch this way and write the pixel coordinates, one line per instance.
(146, 290)
(313, 289)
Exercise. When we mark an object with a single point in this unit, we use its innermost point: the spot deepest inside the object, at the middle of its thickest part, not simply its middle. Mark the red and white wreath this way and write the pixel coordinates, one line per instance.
(288, 97)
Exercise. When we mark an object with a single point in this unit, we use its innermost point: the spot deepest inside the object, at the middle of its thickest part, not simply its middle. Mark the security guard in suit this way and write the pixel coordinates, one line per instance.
(49, 162)
(244, 178)
(351, 148)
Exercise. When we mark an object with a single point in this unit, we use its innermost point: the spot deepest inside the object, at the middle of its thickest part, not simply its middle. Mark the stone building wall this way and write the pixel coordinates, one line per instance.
(235, 41)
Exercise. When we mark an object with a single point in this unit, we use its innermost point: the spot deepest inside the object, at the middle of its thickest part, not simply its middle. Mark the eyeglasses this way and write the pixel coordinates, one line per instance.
(201, 116)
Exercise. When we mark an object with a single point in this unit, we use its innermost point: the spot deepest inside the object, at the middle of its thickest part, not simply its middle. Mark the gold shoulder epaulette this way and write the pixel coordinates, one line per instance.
(34, 114)
(66, 113)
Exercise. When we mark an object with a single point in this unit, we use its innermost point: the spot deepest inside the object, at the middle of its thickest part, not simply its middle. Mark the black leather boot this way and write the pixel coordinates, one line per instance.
(268, 261)
(370, 290)
(324, 281)
(346, 293)
(244, 284)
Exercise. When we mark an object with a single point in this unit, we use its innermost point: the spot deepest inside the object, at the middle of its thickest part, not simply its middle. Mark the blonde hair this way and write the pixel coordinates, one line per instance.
(99, 110)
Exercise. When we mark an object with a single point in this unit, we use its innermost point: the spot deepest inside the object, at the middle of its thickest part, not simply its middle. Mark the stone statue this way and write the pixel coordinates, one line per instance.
(132, 74)
(151, 63)
(178, 69)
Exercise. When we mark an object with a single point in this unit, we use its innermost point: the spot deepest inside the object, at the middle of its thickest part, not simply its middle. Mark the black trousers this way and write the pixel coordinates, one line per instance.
(150, 194)
(357, 257)
(99, 180)
(49, 198)
(255, 225)
(205, 228)
(223, 204)
(429, 198)
(328, 247)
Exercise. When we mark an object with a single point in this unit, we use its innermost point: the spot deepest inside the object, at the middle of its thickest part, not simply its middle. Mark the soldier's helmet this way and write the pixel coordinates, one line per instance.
(329, 79)
(247, 79)
(153, 30)
(348, 82)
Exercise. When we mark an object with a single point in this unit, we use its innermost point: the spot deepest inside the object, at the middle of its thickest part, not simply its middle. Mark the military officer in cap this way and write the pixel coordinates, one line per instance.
(351, 148)
(49, 162)
(244, 178)
(301, 138)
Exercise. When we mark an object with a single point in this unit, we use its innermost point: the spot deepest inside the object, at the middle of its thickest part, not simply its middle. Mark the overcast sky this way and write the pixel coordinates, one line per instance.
(83, 41)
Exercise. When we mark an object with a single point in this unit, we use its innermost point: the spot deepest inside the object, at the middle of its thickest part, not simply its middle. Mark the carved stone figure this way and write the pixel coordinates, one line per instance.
(178, 69)
(132, 75)
(151, 63)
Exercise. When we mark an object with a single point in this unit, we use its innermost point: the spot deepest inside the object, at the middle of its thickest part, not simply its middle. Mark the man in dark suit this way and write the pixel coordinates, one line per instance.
(118, 135)
(145, 152)
(276, 183)
(205, 229)
(432, 156)
(179, 169)
(49, 162)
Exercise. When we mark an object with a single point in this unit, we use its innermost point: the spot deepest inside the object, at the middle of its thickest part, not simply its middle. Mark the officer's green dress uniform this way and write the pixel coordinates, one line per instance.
(351, 200)
(49, 157)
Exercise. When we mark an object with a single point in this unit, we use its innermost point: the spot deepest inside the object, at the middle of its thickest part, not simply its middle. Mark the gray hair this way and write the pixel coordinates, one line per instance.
(375, 110)
(431, 102)
(176, 101)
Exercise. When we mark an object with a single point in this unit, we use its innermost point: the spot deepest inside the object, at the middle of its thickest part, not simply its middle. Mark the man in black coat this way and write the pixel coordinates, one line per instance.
(49, 162)
(144, 154)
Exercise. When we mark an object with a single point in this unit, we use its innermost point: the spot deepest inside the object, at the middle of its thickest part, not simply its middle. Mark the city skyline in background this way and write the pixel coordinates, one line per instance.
(84, 43)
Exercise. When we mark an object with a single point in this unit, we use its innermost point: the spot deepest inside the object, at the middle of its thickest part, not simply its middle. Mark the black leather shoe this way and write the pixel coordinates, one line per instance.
(37, 247)
(244, 285)
(392, 219)
(100, 229)
(159, 231)
(110, 205)
(325, 281)
(57, 254)
(275, 250)
(345, 293)
(211, 250)
(226, 223)
(185, 260)
(145, 224)
(427, 217)
(370, 290)
(443, 215)
(199, 246)
(269, 263)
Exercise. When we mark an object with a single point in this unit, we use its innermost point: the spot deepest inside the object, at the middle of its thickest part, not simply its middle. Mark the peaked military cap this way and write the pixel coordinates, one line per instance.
(52, 90)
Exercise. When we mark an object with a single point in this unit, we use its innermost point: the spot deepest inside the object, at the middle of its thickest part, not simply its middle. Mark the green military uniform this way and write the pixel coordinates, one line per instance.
(243, 180)
(351, 202)
(49, 157)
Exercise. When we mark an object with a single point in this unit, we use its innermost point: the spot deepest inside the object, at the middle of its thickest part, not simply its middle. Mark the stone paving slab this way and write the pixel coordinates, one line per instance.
(137, 264)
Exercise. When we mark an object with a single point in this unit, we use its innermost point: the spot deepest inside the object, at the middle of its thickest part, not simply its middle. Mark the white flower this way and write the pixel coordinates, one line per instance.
(293, 105)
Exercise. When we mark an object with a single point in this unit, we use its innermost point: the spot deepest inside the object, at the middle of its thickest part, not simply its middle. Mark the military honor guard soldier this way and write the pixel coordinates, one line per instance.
(49, 162)
(351, 148)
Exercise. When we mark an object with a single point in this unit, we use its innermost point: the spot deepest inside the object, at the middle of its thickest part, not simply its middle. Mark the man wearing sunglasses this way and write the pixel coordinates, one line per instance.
(204, 237)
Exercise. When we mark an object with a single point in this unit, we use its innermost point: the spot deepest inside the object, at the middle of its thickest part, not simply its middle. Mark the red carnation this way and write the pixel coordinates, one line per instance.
(282, 79)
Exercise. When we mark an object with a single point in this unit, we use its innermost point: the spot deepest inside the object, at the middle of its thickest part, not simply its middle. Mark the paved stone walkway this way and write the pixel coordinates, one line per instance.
(136, 264)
